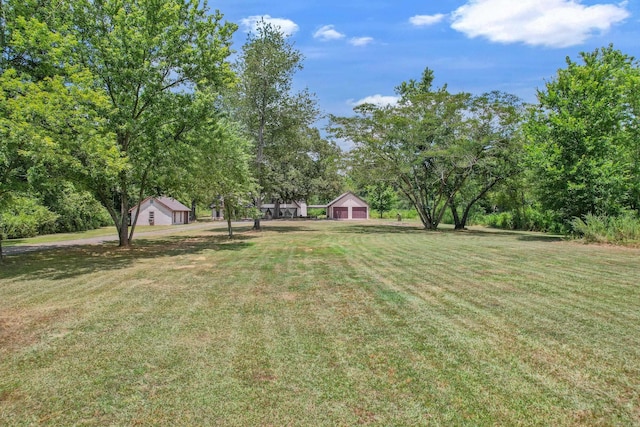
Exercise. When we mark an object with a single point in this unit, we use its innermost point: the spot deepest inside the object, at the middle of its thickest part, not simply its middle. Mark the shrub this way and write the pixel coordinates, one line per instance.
(77, 211)
(618, 230)
(393, 214)
(27, 218)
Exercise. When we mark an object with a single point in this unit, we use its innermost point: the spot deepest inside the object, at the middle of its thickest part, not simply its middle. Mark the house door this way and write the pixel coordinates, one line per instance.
(340, 213)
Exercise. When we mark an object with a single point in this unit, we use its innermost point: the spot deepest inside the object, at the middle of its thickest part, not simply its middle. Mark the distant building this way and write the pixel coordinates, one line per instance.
(161, 211)
(346, 206)
(287, 210)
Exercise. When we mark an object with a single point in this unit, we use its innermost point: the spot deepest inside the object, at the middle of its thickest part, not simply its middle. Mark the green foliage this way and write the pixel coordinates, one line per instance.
(77, 210)
(159, 64)
(584, 137)
(441, 150)
(529, 219)
(381, 197)
(27, 218)
(287, 154)
(620, 230)
(393, 214)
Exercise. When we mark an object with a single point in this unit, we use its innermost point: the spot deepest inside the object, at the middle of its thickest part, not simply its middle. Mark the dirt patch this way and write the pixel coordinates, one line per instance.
(19, 329)
(289, 296)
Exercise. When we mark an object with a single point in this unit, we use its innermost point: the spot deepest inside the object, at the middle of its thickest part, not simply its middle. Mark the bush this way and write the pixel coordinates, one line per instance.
(77, 211)
(531, 219)
(393, 214)
(27, 218)
(618, 230)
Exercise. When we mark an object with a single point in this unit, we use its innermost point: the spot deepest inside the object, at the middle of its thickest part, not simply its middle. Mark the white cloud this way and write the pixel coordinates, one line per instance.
(327, 33)
(287, 26)
(554, 23)
(426, 20)
(360, 41)
(379, 100)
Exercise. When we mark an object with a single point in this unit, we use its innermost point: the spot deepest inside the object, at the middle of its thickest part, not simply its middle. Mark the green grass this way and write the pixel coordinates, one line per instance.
(98, 232)
(323, 323)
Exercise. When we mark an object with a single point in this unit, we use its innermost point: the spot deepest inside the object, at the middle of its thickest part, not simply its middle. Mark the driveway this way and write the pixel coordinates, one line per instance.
(13, 250)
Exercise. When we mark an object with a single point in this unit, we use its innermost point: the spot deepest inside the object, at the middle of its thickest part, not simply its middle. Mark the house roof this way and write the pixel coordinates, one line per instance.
(171, 203)
(344, 195)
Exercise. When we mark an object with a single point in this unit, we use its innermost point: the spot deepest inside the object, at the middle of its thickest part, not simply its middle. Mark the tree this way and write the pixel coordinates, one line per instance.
(263, 101)
(584, 137)
(408, 144)
(220, 167)
(441, 150)
(381, 197)
(489, 151)
(157, 62)
(46, 104)
(309, 167)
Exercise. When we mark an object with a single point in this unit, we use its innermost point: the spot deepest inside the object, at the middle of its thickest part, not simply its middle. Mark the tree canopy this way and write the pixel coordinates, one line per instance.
(584, 137)
(272, 114)
(442, 150)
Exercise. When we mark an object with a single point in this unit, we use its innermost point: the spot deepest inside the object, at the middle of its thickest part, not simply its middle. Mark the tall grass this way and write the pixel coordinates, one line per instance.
(621, 230)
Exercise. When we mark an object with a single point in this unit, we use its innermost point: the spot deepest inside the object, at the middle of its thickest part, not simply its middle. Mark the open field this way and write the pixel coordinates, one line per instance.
(323, 323)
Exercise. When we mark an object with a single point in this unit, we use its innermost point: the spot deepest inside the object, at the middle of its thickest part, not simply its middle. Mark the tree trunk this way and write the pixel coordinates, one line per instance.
(276, 209)
(124, 223)
(1, 253)
(227, 208)
(193, 210)
(457, 223)
(256, 221)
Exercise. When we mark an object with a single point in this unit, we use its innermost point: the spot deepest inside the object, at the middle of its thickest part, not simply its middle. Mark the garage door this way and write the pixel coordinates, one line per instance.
(340, 213)
(359, 213)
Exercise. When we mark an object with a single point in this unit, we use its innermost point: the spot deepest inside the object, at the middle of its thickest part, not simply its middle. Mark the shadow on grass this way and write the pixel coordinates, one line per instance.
(380, 228)
(72, 261)
(271, 226)
(410, 229)
(525, 236)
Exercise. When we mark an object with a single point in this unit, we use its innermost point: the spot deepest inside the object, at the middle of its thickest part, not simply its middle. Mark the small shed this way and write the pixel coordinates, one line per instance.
(348, 206)
(161, 211)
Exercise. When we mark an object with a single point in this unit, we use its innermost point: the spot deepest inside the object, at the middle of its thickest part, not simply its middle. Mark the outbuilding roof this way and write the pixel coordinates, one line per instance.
(344, 195)
(171, 203)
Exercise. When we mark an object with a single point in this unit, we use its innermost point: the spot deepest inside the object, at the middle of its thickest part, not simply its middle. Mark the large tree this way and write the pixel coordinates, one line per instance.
(584, 137)
(47, 104)
(434, 144)
(271, 112)
(488, 152)
(157, 62)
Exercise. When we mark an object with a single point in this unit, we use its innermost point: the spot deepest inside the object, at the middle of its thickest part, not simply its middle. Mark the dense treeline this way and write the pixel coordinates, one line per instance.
(103, 103)
(568, 161)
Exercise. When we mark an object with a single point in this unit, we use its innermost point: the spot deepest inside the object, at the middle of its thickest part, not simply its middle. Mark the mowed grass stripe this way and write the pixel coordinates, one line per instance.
(324, 323)
(474, 311)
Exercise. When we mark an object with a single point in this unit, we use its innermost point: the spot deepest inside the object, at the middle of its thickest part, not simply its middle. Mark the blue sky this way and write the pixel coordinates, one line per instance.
(359, 50)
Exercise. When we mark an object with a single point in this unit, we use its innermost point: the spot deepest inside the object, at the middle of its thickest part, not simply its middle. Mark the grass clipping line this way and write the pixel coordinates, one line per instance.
(323, 323)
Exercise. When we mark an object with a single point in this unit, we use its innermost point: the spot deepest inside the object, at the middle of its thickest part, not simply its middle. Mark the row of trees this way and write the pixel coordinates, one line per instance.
(113, 101)
(442, 151)
(126, 99)
(576, 152)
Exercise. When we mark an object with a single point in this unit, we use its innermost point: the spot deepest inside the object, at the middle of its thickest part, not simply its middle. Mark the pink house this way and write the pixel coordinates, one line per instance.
(161, 211)
(348, 206)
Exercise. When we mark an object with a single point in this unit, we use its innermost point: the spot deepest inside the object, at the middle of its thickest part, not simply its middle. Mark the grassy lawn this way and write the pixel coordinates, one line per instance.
(98, 232)
(323, 323)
